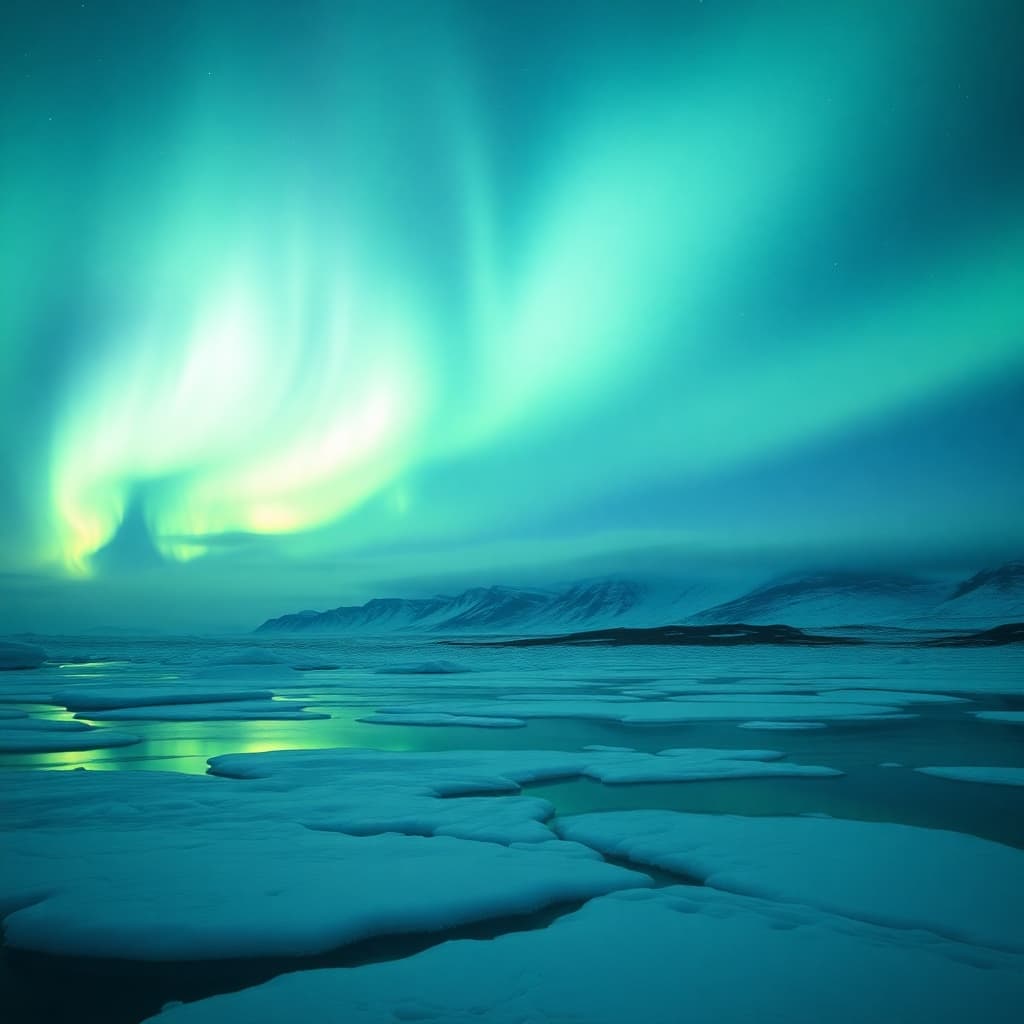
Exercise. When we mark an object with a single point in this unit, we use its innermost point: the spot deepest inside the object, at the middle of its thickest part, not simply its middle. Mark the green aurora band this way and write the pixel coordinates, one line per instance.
(358, 276)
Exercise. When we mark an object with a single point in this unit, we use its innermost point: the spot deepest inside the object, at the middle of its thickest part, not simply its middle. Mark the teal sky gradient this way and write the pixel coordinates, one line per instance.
(302, 303)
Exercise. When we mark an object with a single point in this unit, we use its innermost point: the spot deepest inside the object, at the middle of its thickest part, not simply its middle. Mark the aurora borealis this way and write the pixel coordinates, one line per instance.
(304, 300)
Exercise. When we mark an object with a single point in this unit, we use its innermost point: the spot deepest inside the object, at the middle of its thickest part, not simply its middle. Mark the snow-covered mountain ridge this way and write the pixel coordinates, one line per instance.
(987, 598)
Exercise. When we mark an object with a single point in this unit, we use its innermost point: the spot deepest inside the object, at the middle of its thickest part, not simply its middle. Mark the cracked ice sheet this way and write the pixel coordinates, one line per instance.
(954, 885)
(440, 719)
(449, 773)
(43, 724)
(491, 685)
(216, 892)
(25, 735)
(893, 698)
(618, 959)
(782, 726)
(208, 711)
(139, 864)
(899, 698)
(38, 689)
(994, 776)
(676, 710)
(424, 668)
(991, 673)
(104, 697)
(356, 791)
(358, 801)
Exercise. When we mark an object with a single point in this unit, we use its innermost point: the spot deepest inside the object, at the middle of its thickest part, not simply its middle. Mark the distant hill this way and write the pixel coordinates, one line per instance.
(832, 599)
(988, 597)
(997, 636)
(814, 600)
(510, 610)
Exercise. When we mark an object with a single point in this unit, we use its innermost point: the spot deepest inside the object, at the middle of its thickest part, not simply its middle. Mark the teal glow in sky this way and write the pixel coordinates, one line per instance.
(307, 302)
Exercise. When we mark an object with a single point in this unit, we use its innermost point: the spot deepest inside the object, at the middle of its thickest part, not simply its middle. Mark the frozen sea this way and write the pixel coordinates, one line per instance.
(381, 829)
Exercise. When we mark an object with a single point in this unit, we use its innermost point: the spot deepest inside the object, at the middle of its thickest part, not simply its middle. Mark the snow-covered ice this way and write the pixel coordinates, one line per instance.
(954, 885)
(993, 776)
(108, 698)
(781, 726)
(674, 711)
(25, 735)
(1007, 717)
(424, 668)
(440, 718)
(452, 772)
(249, 656)
(215, 892)
(898, 698)
(703, 764)
(15, 655)
(658, 956)
(287, 852)
(208, 711)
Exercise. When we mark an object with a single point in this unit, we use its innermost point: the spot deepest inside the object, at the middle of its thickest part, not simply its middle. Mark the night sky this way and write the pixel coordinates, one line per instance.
(303, 303)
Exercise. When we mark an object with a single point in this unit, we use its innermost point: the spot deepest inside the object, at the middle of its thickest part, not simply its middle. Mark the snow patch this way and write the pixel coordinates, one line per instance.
(215, 892)
(659, 956)
(955, 885)
(423, 668)
(15, 656)
(42, 736)
(110, 697)
(210, 711)
(782, 726)
(437, 718)
(994, 776)
(1007, 717)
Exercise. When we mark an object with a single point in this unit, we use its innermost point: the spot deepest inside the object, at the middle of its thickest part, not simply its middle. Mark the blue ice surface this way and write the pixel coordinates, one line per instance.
(317, 832)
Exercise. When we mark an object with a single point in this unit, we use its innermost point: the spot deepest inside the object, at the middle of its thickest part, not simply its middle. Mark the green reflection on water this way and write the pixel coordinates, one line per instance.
(186, 746)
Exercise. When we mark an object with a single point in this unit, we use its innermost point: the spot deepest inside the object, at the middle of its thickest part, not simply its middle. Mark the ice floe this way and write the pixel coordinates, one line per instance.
(701, 764)
(208, 711)
(994, 776)
(168, 894)
(44, 736)
(93, 697)
(43, 724)
(292, 853)
(437, 718)
(661, 956)
(20, 656)
(447, 773)
(251, 672)
(424, 668)
(1007, 717)
(955, 885)
(362, 791)
(676, 710)
(898, 698)
(331, 847)
(249, 656)
(782, 726)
